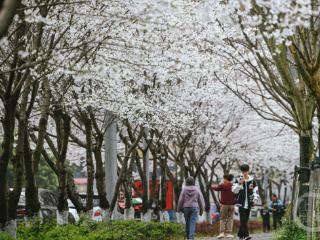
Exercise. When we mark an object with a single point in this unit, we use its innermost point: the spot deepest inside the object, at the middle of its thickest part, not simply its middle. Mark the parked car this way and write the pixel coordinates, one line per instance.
(96, 213)
(48, 203)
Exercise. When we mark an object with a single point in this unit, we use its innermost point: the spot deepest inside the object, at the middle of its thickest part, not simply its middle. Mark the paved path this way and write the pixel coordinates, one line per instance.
(263, 236)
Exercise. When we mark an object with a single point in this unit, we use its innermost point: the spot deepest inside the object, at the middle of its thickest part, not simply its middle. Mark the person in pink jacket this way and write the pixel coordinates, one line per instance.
(191, 203)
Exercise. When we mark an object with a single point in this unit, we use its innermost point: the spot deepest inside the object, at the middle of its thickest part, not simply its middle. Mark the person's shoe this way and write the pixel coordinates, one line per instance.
(221, 235)
(247, 238)
(229, 236)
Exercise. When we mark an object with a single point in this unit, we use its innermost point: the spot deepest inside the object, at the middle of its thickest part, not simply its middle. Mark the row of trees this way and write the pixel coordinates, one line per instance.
(65, 65)
(275, 45)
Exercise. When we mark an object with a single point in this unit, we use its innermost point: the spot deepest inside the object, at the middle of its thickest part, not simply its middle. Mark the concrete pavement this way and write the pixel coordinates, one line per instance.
(262, 236)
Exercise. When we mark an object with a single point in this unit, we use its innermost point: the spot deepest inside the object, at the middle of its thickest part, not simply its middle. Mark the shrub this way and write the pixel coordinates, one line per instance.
(4, 236)
(36, 231)
(90, 230)
(292, 231)
(134, 230)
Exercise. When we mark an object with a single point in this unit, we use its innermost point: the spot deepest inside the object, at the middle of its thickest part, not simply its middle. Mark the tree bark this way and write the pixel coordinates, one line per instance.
(7, 12)
(100, 177)
(18, 161)
(89, 161)
(163, 189)
(154, 181)
(6, 155)
(306, 148)
(145, 177)
(73, 194)
(62, 121)
(32, 199)
(42, 123)
(306, 155)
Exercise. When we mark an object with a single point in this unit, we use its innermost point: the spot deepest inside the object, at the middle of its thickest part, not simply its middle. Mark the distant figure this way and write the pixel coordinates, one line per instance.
(191, 203)
(227, 206)
(277, 209)
(247, 195)
(265, 214)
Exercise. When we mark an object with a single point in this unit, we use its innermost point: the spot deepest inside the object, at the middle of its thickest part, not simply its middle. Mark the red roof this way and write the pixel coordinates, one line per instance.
(80, 181)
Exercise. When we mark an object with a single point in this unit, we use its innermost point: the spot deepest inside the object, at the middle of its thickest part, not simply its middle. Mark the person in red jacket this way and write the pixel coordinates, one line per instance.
(227, 206)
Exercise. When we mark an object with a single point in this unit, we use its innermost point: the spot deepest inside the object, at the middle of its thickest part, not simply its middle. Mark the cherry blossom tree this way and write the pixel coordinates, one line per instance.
(165, 69)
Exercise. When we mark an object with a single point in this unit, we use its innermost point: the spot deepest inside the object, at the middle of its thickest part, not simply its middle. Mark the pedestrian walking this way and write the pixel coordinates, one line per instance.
(247, 195)
(278, 209)
(227, 201)
(191, 203)
(265, 214)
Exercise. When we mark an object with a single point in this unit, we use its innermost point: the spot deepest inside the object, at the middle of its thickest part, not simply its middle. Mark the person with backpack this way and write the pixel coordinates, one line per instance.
(227, 201)
(246, 189)
(277, 208)
(191, 203)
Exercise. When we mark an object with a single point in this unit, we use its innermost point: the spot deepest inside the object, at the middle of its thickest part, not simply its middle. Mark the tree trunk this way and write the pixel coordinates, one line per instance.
(7, 12)
(14, 195)
(128, 188)
(32, 199)
(163, 183)
(215, 199)
(206, 194)
(100, 178)
(63, 132)
(270, 188)
(123, 170)
(145, 179)
(6, 155)
(73, 194)
(17, 162)
(306, 155)
(43, 122)
(72, 190)
(306, 148)
(154, 182)
(89, 161)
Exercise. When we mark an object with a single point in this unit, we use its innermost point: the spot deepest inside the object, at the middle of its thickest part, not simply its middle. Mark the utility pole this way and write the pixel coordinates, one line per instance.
(147, 215)
(111, 164)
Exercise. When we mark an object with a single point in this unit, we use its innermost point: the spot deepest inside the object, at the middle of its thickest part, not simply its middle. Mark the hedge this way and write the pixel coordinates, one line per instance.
(89, 230)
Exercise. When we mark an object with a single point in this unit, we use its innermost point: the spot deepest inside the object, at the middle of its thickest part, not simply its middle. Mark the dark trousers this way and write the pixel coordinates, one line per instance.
(191, 216)
(266, 223)
(244, 218)
(276, 220)
(137, 214)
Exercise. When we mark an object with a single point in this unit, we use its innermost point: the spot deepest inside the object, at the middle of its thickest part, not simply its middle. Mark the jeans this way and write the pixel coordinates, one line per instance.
(190, 215)
(244, 218)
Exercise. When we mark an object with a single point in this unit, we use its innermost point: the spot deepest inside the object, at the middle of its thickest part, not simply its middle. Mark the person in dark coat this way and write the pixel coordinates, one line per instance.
(246, 189)
(277, 208)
